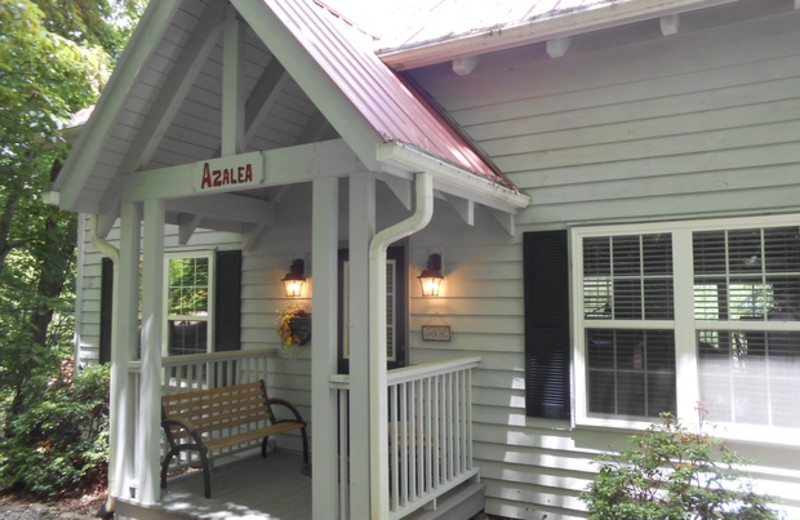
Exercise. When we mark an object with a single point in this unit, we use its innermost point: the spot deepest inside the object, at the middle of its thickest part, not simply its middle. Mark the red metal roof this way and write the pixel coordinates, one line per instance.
(412, 23)
(392, 107)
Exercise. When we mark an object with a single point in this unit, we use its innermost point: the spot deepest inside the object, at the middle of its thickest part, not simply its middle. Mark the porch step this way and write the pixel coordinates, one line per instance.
(463, 502)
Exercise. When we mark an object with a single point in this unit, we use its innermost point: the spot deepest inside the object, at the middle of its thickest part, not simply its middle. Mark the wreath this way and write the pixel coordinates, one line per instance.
(293, 326)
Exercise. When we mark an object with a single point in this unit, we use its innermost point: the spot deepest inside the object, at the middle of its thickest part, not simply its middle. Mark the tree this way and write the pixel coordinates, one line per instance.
(55, 56)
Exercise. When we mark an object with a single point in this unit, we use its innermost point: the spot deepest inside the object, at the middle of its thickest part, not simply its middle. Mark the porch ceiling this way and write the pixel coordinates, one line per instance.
(163, 107)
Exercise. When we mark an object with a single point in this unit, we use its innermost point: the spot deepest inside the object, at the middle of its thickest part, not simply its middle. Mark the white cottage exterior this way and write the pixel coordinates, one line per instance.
(612, 188)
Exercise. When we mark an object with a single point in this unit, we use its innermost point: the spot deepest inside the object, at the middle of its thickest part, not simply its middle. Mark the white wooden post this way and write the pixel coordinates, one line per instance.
(149, 431)
(324, 244)
(232, 85)
(361, 231)
(127, 295)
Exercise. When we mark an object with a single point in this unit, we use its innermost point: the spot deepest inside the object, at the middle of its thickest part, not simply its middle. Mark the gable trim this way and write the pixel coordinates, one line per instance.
(78, 168)
(317, 85)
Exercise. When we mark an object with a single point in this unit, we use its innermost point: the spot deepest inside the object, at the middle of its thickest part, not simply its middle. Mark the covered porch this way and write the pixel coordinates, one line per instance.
(234, 118)
(430, 465)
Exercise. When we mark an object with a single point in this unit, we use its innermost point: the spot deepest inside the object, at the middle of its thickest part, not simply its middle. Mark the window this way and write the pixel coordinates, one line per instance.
(666, 316)
(189, 303)
(225, 291)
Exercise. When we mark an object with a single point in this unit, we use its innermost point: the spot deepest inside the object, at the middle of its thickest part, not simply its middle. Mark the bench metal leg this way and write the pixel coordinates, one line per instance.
(164, 465)
(206, 474)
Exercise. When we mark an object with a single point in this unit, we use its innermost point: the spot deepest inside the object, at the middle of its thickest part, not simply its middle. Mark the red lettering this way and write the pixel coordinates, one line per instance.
(206, 182)
(225, 176)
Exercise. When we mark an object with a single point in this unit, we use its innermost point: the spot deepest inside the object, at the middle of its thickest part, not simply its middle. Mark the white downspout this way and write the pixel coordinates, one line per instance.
(378, 401)
(116, 376)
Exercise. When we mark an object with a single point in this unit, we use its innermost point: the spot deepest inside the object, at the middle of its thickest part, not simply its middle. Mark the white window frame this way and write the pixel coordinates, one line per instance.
(683, 324)
(208, 318)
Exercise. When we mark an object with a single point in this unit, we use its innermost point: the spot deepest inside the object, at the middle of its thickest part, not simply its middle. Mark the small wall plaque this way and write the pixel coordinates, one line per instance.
(436, 332)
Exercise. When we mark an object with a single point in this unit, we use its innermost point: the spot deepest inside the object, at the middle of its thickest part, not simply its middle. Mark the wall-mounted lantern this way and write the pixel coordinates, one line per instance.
(431, 277)
(295, 278)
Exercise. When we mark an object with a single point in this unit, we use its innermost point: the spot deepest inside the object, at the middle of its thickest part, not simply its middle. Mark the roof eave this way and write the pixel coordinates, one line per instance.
(537, 30)
(452, 179)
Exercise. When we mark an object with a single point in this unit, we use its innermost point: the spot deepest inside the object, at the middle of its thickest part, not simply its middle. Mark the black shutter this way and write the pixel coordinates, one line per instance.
(228, 301)
(547, 341)
(106, 298)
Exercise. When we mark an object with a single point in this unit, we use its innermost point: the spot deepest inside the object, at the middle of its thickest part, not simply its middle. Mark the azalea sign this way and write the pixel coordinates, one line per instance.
(229, 173)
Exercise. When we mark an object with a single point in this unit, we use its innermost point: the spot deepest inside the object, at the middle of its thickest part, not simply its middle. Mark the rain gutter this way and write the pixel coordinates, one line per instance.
(118, 374)
(550, 26)
(378, 400)
(452, 179)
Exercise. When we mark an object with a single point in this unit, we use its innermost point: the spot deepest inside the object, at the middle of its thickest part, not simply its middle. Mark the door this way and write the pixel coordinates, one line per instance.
(396, 309)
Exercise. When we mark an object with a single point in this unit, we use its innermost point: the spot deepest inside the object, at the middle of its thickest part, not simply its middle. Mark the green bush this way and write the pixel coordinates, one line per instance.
(59, 444)
(671, 473)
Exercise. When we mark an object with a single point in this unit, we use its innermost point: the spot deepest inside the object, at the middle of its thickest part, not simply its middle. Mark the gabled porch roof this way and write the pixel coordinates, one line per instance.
(307, 76)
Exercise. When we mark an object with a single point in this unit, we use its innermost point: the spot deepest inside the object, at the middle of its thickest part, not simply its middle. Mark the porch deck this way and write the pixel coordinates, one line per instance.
(247, 487)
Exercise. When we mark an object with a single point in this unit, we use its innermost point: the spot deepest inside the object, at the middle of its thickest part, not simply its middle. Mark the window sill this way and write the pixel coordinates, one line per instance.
(726, 432)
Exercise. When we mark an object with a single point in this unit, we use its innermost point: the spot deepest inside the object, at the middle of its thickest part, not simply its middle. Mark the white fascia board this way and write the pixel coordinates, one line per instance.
(80, 164)
(568, 24)
(451, 179)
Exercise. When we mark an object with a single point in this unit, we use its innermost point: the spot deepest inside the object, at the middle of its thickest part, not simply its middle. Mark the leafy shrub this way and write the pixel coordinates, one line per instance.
(60, 442)
(673, 474)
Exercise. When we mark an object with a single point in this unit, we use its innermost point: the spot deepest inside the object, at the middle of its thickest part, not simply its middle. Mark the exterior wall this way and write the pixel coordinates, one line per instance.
(89, 279)
(628, 126)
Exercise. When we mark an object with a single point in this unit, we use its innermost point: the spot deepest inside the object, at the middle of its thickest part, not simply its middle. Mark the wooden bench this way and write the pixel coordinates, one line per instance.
(211, 420)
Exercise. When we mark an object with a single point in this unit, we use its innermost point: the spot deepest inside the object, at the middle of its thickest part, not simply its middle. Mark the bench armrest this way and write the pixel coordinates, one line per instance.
(186, 424)
(181, 422)
(286, 404)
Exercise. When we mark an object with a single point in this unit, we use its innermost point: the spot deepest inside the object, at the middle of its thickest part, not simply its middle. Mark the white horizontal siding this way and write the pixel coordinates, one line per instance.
(89, 284)
(709, 119)
(628, 125)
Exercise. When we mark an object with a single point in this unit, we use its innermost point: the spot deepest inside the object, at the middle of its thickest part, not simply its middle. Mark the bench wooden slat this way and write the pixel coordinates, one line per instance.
(198, 402)
(219, 418)
(206, 392)
(219, 410)
(249, 436)
(206, 427)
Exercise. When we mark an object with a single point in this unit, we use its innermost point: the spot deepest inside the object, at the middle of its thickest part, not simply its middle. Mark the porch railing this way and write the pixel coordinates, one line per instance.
(198, 371)
(430, 433)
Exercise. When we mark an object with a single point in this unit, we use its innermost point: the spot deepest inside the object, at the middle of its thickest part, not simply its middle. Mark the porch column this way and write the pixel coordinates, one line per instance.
(122, 351)
(324, 246)
(361, 231)
(149, 430)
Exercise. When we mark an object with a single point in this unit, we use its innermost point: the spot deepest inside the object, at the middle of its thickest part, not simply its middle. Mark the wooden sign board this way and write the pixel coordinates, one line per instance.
(436, 333)
(229, 173)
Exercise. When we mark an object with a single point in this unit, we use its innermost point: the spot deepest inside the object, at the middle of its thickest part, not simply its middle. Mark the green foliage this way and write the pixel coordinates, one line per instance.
(671, 473)
(60, 441)
(55, 56)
